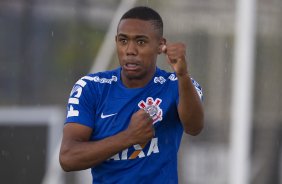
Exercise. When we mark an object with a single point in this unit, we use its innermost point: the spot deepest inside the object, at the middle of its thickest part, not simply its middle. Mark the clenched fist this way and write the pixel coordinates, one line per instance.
(141, 128)
(176, 56)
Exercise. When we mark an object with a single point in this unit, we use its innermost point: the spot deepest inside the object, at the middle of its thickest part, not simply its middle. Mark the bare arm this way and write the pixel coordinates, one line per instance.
(78, 153)
(190, 108)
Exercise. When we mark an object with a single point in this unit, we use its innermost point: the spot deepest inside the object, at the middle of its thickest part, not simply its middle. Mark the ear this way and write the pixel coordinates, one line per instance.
(161, 44)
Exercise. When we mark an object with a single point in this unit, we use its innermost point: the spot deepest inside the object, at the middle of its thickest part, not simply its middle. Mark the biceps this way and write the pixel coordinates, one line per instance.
(76, 132)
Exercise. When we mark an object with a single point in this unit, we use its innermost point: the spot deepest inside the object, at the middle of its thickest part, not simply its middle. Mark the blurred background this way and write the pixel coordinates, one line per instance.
(46, 46)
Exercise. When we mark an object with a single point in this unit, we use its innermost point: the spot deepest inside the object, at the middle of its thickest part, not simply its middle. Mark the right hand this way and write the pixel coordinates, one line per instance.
(140, 128)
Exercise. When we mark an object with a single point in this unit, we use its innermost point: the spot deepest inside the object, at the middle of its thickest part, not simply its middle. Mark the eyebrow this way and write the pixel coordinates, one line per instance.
(135, 36)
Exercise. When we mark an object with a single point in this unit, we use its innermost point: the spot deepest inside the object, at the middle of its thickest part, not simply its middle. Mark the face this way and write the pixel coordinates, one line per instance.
(138, 45)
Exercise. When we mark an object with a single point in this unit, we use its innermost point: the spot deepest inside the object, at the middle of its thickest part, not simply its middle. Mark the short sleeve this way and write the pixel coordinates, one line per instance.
(198, 89)
(81, 103)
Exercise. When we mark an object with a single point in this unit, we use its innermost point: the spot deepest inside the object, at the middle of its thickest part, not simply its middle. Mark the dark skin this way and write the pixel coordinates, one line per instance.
(138, 45)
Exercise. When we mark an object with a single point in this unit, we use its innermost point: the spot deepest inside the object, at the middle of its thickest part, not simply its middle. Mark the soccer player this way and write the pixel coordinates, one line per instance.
(126, 124)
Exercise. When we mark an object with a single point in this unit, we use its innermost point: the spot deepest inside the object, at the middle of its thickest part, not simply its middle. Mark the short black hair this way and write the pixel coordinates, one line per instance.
(147, 14)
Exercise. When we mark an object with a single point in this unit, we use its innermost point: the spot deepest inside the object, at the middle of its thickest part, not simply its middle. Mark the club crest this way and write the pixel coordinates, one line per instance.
(152, 107)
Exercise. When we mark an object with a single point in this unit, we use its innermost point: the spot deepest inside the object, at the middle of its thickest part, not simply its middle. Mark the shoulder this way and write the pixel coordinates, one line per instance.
(106, 77)
(163, 76)
(94, 83)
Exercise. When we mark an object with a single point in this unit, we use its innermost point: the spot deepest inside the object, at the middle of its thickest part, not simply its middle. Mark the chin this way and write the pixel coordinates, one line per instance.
(133, 75)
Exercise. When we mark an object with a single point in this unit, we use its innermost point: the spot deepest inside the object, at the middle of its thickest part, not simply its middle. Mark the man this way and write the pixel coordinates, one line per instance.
(126, 124)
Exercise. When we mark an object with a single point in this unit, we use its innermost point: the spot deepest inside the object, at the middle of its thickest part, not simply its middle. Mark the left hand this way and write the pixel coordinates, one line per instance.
(176, 56)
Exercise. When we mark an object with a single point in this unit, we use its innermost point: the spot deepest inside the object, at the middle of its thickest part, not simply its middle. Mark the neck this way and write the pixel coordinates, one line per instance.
(137, 82)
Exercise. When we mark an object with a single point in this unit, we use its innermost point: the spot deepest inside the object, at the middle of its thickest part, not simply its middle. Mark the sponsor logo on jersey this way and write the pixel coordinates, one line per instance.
(138, 151)
(105, 80)
(77, 90)
(198, 88)
(159, 79)
(103, 116)
(162, 80)
(74, 100)
(152, 107)
(172, 77)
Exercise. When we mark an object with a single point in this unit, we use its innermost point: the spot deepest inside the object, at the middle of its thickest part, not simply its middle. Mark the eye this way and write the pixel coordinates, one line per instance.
(140, 42)
(122, 41)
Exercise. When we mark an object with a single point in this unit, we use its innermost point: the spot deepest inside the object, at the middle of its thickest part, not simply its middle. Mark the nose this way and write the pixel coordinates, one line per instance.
(131, 49)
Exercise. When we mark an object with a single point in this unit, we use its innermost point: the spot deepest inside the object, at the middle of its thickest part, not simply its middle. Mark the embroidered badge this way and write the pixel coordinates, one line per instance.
(152, 107)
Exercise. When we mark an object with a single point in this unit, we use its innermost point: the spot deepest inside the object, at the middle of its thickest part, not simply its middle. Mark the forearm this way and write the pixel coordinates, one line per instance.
(79, 155)
(190, 108)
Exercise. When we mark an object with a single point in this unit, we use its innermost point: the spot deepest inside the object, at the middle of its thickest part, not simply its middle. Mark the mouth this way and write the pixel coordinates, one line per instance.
(131, 66)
